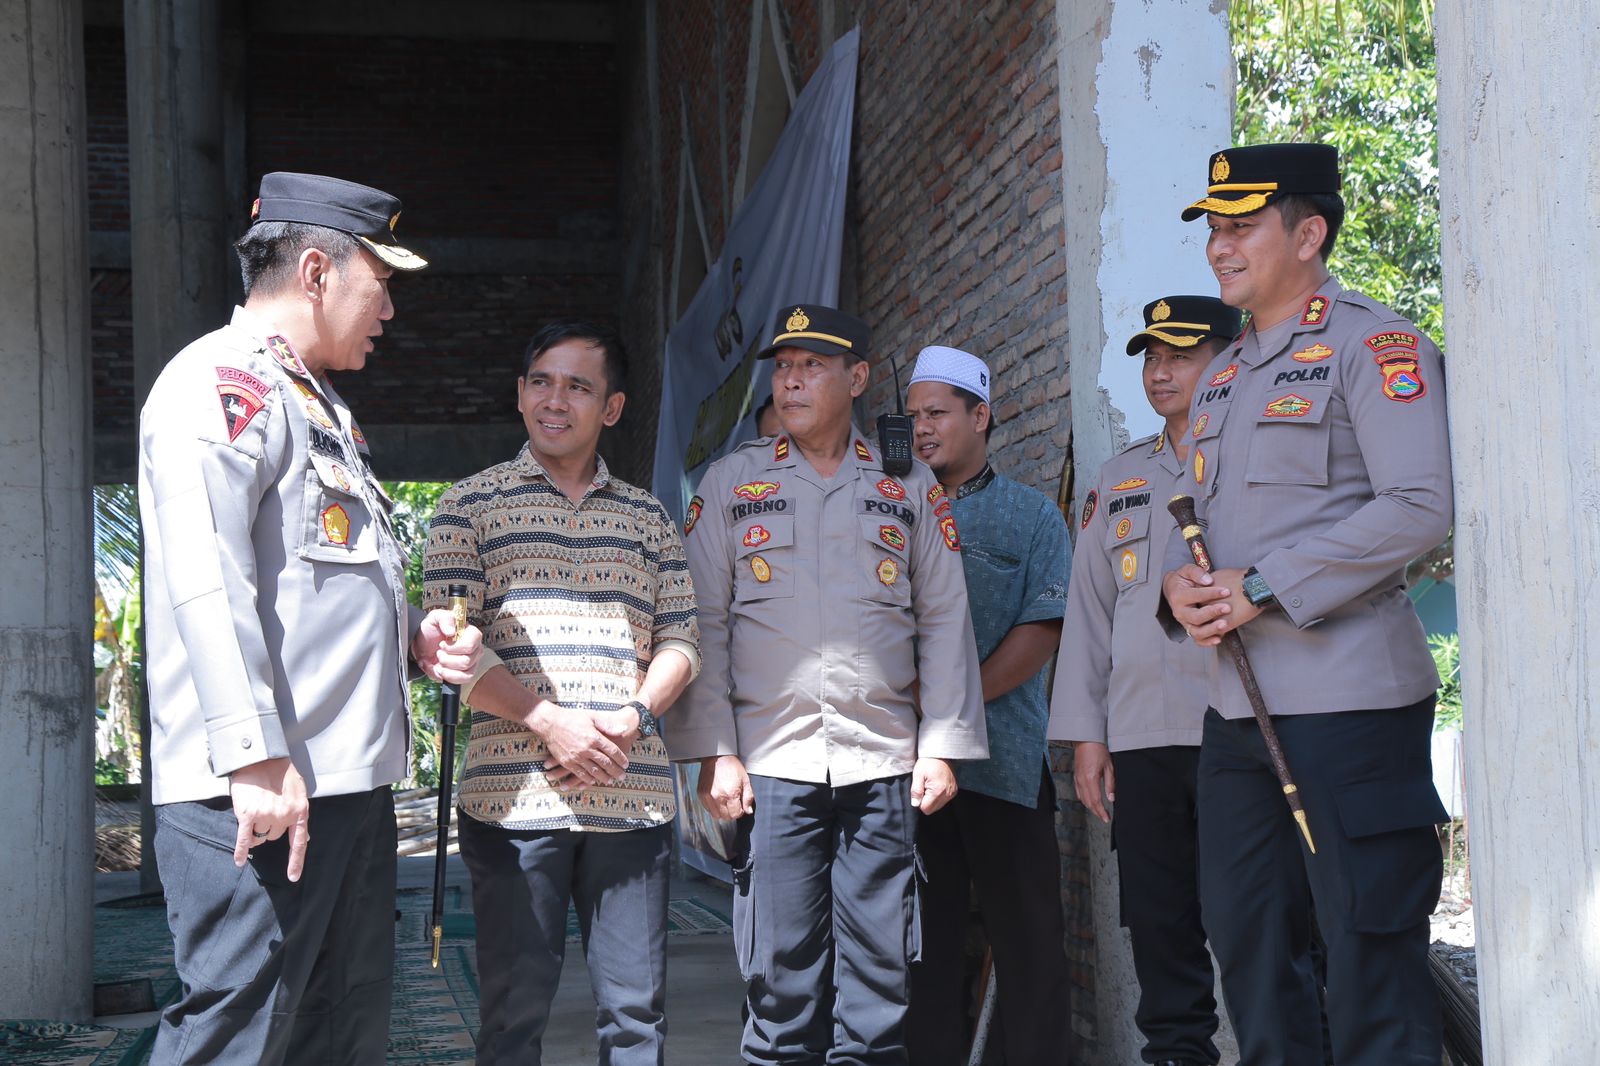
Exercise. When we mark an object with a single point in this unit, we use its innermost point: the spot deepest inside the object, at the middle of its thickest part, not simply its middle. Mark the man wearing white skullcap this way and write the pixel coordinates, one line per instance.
(998, 834)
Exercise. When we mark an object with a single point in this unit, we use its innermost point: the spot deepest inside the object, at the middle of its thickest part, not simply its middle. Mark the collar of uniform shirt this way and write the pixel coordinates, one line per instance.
(977, 484)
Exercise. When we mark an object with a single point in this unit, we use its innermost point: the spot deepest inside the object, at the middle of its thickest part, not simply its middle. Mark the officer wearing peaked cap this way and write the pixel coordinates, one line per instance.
(1132, 702)
(279, 647)
(1321, 466)
(827, 590)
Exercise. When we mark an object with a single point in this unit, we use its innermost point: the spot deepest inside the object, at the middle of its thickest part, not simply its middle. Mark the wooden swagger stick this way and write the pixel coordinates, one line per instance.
(1182, 508)
(449, 714)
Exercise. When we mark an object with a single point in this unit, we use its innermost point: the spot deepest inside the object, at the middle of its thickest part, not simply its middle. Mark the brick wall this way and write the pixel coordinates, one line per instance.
(955, 230)
(479, 139)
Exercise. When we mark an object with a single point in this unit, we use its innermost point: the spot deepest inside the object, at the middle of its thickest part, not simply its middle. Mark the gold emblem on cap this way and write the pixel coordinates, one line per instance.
(393, 220)
(1220, 169)
(797, 321)
(1161, 312)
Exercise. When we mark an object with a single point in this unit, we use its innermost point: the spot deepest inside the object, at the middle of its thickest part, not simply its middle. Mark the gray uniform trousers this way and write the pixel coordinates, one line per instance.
(275, 971)
(826, 921)
(521, 883)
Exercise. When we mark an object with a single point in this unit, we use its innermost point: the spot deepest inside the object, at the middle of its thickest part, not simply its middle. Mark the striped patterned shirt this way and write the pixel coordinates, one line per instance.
(575, 599)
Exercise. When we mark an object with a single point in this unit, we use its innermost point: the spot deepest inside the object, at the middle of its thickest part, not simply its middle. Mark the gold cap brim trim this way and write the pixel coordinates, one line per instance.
(396, 256)
(1177, 340)
(1245, 205)
(809, 336)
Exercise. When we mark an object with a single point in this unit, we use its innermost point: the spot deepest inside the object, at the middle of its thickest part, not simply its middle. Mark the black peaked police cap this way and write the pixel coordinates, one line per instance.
(824, 330)
(1243, 180)
(367, 214)
(1185, 321)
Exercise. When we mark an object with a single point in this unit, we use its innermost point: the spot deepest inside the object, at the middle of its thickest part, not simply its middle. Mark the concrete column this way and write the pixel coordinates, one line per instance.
(1146, 96)
(46, 612)
(180, 224)
(1519, 159)
(178, 217)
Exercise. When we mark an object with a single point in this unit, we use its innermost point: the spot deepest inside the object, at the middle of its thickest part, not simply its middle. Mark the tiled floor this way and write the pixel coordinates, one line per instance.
(703, 1001)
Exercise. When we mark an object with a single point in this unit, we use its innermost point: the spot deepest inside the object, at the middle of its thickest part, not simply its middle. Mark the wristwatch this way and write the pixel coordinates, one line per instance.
(1256, 590)
(647, 721)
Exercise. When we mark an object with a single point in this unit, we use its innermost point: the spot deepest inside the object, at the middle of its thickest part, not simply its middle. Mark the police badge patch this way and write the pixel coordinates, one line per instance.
(242, 395)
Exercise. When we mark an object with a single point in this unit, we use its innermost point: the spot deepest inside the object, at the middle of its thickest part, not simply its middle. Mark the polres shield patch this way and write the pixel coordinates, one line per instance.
(1402, 377)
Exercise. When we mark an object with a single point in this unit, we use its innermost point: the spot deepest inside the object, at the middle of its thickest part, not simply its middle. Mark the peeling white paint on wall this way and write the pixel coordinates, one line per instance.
(1146, 97)
(1164, 103)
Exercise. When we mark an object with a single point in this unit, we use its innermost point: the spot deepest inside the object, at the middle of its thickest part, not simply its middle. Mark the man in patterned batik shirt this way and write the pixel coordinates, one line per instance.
(579, 582)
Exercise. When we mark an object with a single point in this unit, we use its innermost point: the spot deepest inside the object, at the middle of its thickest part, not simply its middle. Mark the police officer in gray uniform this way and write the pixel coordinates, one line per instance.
(1132, 701)
(279, 642)
(1321, 467)
(827, 589)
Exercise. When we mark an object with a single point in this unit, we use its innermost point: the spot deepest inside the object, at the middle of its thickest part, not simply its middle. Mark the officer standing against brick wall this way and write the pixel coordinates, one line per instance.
(827, 589)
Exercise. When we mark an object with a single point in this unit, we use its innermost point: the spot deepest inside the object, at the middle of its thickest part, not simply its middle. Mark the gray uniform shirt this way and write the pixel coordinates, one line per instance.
(1119, 680)
(1322, 458)
(275, 612)
(821, 601)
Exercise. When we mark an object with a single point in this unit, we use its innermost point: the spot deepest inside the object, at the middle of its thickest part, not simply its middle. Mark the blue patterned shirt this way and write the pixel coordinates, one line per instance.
(1015, 551)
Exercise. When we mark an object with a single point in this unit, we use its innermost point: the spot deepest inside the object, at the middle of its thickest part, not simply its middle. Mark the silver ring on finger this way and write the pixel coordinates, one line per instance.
(260, 834)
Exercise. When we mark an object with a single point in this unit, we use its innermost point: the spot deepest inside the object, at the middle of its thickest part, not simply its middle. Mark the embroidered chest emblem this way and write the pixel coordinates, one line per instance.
(892, 489)
(888, 571)
(756, 490)
(1290, 406)
(1124, 527)
(892, 536)
(1131, 483)
(1314, 354)
(756, 536)
(1200, 424)
(336, 525)
(1225, 375)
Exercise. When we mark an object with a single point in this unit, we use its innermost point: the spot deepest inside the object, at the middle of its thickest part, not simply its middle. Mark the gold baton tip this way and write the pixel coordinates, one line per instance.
(438, 931)
(1289, 790)
(1179, 496)
(1191, 532)
(1300, 816)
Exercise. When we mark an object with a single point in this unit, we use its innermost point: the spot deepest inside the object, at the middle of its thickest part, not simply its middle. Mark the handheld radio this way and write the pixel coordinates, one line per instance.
(894, 432)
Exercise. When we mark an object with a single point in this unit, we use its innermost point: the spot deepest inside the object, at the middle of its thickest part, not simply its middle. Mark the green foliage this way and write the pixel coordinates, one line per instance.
(414, 502)
(1447, 658)
(107, 772)
(1358, 74)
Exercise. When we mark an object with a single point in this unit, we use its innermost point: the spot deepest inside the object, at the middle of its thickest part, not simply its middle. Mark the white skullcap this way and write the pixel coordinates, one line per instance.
(953, 367)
